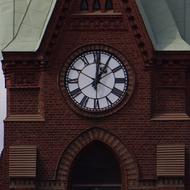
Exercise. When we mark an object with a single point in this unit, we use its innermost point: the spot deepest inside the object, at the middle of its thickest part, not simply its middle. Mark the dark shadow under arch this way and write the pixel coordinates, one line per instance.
(96, 167)
(130, 173)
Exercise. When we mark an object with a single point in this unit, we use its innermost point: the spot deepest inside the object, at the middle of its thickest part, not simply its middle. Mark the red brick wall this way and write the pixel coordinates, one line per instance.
(131, 124)
(24, 101)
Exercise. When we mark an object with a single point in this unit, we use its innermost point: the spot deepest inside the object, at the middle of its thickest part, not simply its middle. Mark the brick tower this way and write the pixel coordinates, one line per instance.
(92, 103)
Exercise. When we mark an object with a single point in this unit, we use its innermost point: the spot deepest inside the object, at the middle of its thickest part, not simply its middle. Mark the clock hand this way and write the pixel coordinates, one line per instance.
(103, 69)
(97, 61)
(87, 75)
(98, 77)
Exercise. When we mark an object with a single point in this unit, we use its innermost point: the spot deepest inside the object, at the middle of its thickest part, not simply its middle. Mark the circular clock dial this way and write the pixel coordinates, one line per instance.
(96, 81)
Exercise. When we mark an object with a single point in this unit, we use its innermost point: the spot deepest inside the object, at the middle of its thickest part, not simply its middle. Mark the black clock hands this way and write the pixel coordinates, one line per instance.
(103, 70)
(98, 75)
(97, 61)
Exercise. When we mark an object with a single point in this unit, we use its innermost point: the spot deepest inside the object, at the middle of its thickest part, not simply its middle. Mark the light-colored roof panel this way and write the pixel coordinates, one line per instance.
(154, 8)
(6, 22)
(19, 12)
(168, 23)
(146, 21)
(28, 33)
(42, 7)
(27, 46)
(33, 26)
(35, 19)
(175, 45)
(187, 21)
(21, 5)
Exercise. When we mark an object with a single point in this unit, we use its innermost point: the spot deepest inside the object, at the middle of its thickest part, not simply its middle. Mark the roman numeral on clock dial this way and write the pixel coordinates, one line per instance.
(117, 69)
(108, 101)
(120, 80)
(96, 57)
(96, 104)
(117, 92)
(75, 69)
(72, 81)
(84, 101)
(85, 60)
(75, 92)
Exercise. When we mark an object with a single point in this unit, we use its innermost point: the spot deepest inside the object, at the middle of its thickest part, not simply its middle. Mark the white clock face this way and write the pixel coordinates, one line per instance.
(96, 81)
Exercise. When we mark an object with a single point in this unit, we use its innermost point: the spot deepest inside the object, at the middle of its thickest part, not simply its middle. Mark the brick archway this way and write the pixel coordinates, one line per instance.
(127, 162)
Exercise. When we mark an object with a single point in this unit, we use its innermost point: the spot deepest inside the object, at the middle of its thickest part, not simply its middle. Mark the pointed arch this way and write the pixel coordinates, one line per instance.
(127, 162)
(95, 165)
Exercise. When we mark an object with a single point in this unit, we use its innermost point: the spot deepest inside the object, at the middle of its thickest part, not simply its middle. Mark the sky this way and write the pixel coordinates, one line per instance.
(2, 106)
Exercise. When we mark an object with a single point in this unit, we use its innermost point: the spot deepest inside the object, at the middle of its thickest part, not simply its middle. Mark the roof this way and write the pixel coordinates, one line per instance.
(168, 23)
(23, 23)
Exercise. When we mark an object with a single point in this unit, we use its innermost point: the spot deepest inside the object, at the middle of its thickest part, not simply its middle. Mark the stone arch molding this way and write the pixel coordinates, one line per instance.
(127, 162)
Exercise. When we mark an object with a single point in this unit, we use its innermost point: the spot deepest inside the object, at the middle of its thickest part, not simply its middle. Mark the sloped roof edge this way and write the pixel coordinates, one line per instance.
(162, 26)
(32, 27)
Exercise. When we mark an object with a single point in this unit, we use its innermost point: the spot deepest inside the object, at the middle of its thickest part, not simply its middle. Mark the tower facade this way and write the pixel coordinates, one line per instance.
(92, 104)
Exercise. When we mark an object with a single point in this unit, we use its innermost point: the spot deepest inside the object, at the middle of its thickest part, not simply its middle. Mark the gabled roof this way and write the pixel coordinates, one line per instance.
(23, 23)
(168, 23)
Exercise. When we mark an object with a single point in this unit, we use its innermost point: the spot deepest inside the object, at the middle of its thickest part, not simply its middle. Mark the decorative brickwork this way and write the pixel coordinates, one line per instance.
(24, 101)
(38, 113)
(127, 162)
(171, 88)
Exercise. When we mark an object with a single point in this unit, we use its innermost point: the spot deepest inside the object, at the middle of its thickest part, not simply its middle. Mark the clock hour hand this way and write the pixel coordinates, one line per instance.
(103, 70)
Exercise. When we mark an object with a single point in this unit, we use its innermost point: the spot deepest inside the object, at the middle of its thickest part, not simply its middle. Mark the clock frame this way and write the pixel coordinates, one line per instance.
(96, 90)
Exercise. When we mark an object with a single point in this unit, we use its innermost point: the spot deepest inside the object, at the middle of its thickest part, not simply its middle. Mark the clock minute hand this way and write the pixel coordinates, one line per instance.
(97, 61)
(97, 71)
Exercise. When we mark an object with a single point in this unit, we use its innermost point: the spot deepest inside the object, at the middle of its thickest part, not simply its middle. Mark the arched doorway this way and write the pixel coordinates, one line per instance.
(95, 168)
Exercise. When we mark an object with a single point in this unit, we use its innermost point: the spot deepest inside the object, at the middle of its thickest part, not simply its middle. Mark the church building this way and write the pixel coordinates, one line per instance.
(98, 94)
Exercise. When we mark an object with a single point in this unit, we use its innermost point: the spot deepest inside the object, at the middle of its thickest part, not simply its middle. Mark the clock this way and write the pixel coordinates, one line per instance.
(96, 82)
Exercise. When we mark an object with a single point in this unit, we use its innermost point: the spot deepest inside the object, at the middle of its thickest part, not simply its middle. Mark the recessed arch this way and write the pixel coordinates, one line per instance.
(96, 166)
(128, 164)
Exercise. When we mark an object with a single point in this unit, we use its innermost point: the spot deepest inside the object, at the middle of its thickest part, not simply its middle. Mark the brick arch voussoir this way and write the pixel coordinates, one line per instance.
(97, 134)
